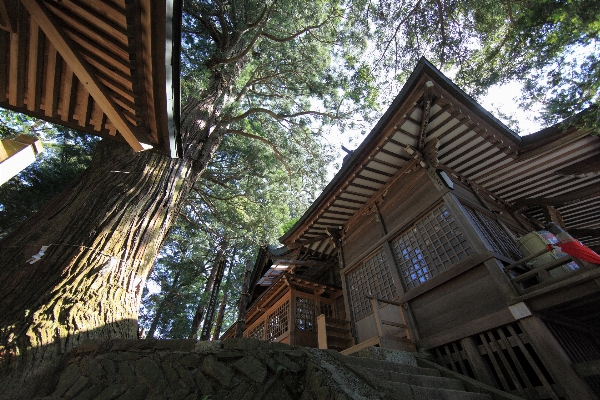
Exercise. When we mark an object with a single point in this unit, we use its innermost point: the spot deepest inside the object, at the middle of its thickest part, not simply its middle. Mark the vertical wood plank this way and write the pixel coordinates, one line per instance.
(33, 68)
(68, 93)
(459, 358)
(504, 361)
(292, 316)
(52, 81)
(530, 360)
(4, 49)
(375, 306)
(478, 366)
(13, 68)
(450, 359)
(497, 368)
(554, 358)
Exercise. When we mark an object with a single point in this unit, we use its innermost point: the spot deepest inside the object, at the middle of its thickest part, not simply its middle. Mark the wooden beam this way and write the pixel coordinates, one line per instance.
(581, 168)
(52, 82)
(69, 94)
(551, 213)
(582, 232)
(7, 13)
(377, 196)
(34, 68)
(427, 103)
(560, 200)
(82, 71)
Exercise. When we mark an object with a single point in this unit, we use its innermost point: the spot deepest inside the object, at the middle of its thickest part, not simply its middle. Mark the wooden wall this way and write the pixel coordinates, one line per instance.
(463, 299)
(457, 296)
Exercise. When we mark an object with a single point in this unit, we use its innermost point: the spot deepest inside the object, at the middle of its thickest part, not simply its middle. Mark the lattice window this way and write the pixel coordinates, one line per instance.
(258, 332)
(278, 321)
(305, 314)
(327, 309)
(494, 235)
(430, 246)
(373, 277)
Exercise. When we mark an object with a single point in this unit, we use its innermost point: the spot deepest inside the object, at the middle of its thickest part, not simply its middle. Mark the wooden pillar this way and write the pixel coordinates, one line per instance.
(480, 369)
(555, 359)
(292, 316)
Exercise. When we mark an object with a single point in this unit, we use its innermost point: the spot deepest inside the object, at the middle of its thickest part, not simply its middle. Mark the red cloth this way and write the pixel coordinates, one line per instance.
(578, 250)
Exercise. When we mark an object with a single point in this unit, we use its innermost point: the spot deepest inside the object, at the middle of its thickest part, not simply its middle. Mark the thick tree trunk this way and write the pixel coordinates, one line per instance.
(76, 269)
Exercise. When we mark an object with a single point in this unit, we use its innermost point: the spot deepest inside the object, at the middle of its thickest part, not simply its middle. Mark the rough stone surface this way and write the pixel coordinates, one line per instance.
(397, 356)
(237, 369)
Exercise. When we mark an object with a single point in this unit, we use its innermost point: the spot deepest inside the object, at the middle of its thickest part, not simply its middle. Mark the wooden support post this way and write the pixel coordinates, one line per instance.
(322, 331)
(292, 318)
(551, 213)
(555, 359)
(480, 369)
(375, 306)
(379, 220)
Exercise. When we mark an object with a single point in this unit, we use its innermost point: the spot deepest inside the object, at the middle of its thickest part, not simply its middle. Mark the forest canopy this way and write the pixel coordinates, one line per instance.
(262, 85)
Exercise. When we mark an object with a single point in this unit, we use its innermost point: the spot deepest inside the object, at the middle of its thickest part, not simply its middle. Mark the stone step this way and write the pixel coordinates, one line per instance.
(382, 365)
(436, 382)
(420, 393)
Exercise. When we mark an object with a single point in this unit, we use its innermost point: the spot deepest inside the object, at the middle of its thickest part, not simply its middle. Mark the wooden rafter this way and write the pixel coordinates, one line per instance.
(572, 197)
(581, 232)
(83, 71)
(427, 103)
(581, 168)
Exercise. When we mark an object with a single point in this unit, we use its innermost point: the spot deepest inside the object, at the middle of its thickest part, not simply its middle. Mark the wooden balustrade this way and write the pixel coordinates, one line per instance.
(333, 333)
(539, 276)
(380, 322)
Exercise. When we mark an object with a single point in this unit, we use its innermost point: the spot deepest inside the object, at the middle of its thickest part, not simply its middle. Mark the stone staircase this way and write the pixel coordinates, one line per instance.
(397, 375)
(248, 369)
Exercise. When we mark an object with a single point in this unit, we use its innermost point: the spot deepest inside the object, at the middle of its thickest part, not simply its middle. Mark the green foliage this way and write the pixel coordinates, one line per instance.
(288, 225)
(551, 47)
(66, 154)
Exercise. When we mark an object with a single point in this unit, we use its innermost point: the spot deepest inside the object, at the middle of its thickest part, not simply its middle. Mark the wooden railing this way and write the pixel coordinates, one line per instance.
(531, 279)
(380, 322)
(334, 333)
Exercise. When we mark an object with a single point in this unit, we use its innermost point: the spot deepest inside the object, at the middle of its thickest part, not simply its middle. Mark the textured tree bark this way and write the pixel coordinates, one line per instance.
(76, 269)
(224, 299)
(220, 316)
(244, 300)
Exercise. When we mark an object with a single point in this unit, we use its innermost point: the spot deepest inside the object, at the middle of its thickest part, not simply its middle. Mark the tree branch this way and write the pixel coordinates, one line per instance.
(267, 142)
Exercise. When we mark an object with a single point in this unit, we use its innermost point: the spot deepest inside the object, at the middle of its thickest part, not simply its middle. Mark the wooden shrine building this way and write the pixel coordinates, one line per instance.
(423, 241)
(107, 68)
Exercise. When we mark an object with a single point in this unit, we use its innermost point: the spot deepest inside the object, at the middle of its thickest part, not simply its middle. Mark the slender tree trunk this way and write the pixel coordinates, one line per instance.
(220, 316)
(161, 307)
(201, 308)
(244, 300)
(223, 305)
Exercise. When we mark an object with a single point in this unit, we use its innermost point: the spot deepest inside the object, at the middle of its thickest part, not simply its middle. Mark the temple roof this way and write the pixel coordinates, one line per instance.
(107, 68)
(431, 115)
